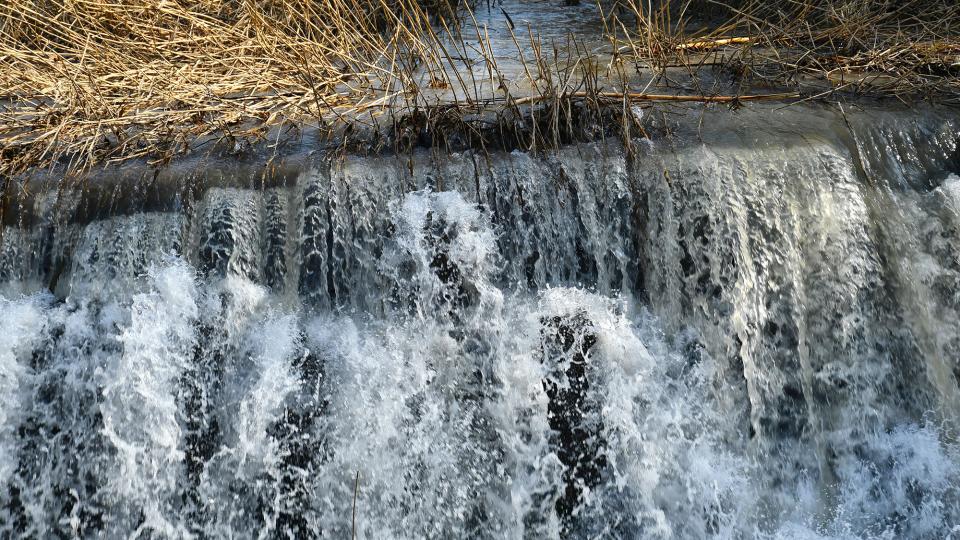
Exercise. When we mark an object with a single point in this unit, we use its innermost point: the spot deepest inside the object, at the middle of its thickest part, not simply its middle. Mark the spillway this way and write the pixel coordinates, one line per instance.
(747, 327)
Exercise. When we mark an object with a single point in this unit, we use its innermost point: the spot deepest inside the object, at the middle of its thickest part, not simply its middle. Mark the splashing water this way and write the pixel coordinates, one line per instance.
(760, 344)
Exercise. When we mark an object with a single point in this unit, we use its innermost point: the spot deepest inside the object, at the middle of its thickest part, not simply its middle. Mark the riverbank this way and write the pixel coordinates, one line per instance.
(94, 83)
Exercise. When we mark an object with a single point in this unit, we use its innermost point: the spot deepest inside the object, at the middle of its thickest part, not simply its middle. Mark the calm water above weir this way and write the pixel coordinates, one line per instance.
(749, 328)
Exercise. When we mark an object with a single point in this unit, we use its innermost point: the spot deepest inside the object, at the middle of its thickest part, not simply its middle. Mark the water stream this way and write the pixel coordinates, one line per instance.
(748, 329)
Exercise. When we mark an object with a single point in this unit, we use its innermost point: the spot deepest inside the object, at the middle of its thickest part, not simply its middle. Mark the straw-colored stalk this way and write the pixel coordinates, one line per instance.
(88, 82)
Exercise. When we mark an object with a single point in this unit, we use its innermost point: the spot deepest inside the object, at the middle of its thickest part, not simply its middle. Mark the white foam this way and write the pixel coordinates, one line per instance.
(140, 410)
(23, 321)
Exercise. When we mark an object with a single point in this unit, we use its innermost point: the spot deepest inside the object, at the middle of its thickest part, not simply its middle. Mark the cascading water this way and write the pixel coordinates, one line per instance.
(753, 335)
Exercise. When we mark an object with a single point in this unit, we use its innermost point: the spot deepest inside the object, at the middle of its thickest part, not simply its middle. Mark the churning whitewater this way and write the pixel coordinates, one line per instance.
(758, 338)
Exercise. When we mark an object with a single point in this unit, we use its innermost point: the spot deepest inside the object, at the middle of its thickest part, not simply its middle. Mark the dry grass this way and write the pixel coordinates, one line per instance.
(97, 81)
(101, 80)
(905, 49)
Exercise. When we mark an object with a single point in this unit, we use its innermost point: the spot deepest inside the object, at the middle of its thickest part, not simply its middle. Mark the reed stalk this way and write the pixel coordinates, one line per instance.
(93, 82)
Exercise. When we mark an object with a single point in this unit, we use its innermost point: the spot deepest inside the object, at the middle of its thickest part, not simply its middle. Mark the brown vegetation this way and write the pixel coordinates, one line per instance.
(906, 49)
(100, 81)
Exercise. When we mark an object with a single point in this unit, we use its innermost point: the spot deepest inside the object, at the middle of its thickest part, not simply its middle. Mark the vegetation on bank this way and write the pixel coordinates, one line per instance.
(87, 82)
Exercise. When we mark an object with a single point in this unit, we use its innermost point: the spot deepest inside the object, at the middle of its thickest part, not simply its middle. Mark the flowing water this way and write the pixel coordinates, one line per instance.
(749, 329)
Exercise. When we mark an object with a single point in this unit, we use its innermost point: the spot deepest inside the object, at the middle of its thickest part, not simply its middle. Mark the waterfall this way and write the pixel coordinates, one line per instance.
(747, 331)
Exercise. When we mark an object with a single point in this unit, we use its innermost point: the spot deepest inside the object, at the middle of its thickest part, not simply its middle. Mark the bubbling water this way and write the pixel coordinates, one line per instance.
(632, 355)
